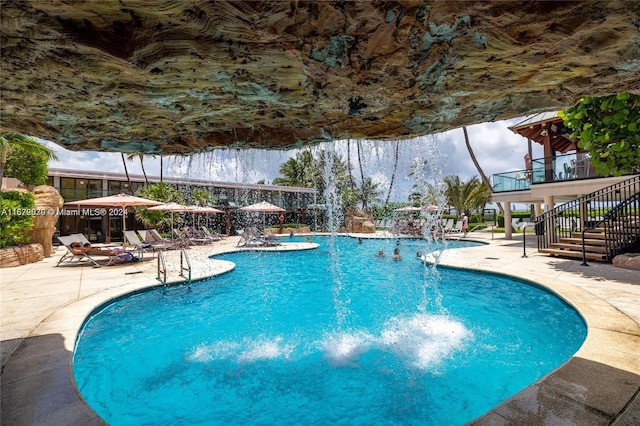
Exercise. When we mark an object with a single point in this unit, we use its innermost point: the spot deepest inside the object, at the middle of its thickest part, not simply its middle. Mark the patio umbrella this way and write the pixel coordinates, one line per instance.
(263, 207)
(171, 207)
(202, 209)
(408, 209)
(122, 201)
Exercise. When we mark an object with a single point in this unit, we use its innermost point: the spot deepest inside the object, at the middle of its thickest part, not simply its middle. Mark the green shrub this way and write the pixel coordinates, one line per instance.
(514, 215)
(30, 168)
(16, 217)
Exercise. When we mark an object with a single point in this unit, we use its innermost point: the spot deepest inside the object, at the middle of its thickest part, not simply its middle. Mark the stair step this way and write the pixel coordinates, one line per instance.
(592, 235)
(589, 241)
(587, 248)
(572, 253)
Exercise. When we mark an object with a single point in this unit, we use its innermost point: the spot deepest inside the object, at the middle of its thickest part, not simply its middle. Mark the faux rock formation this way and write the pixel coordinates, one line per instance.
(627, 261)
(358, 221)
(184, 76)
(48, 201)
(21, 255)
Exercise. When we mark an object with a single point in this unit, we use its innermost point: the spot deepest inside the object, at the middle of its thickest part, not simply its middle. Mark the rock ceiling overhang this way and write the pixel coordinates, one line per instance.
(184, 76)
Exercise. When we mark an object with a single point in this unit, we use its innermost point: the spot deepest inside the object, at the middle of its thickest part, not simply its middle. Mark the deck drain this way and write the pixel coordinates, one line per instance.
(492, 258)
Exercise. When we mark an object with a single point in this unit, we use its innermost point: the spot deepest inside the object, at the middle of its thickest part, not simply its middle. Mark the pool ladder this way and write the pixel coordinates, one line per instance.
(162, 267)
(184, 258)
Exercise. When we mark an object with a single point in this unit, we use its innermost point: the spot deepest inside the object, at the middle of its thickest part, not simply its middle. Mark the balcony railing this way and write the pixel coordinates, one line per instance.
(511, 181)
(575, 166)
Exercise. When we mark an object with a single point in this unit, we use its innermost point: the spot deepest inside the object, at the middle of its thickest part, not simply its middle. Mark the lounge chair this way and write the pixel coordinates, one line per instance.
(132, 238)
(457, 228)
(448, 225)
(251, 237)
(71, 258)
(190, 238)
(515, 224)
(157, 238)
(161, 244)
(211, 236)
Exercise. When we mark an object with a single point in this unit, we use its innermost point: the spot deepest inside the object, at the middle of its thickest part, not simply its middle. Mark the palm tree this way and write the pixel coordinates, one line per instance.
(360, 162)
(485, 180)
(369, 193)
(297, 171)
(393, 175)
(126, 171)
(140, 156)
(349, 163)
(468, 196)
(27, 143)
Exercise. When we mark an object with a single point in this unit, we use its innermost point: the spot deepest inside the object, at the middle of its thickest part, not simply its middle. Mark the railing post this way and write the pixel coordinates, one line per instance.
(524, 241)
(584, 253)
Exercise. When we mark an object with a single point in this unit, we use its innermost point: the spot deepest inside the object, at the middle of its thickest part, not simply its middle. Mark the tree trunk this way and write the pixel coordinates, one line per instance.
(3, 162)
(349, 163)
(485, 180)
(126, 171)
(393, 175)
(141, 156)
(364, 195)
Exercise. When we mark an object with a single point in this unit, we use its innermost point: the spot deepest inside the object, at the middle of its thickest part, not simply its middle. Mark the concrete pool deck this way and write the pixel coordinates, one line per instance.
(42, 308)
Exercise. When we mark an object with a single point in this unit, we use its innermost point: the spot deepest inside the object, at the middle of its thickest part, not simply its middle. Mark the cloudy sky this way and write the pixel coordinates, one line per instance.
(495, 146)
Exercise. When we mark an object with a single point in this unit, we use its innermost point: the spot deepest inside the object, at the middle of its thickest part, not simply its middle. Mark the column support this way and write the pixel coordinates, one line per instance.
(508, 235)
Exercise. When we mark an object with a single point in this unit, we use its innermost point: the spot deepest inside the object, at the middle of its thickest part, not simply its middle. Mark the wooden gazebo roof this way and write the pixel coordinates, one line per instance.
(539, 127)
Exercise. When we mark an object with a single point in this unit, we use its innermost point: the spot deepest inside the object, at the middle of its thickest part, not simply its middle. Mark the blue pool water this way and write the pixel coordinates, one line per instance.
(328, 336)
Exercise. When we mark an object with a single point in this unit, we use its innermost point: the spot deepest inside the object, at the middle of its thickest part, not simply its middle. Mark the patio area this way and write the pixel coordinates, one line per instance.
(43, 308)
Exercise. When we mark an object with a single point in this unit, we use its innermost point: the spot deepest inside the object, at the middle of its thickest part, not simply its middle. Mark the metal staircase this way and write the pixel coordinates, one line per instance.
(597, 226)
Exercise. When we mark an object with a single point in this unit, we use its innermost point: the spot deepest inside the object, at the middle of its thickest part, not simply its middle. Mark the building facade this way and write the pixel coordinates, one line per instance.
(76, 185)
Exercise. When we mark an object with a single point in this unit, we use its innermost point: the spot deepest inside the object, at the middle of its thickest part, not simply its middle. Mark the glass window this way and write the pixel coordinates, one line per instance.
(67, 183)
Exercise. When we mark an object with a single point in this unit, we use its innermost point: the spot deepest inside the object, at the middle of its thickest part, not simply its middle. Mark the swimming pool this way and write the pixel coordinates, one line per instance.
(333, 335)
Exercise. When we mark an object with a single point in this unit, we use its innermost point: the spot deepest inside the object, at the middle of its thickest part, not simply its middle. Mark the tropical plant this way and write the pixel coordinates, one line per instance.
(202, 197)
(385, 211)
(369, 193)
(159, 192)
(14, 223)
(609, 128)
(297, 171)
(305, 170)
(466, 197)
(31, 168)
(27, 143)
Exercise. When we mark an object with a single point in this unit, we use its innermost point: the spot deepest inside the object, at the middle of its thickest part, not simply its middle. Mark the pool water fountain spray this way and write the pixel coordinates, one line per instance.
(335, 218)
(428, 171)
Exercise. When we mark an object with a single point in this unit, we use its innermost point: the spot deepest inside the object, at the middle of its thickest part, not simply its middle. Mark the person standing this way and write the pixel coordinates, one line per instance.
(465, 224)
(281, 219)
